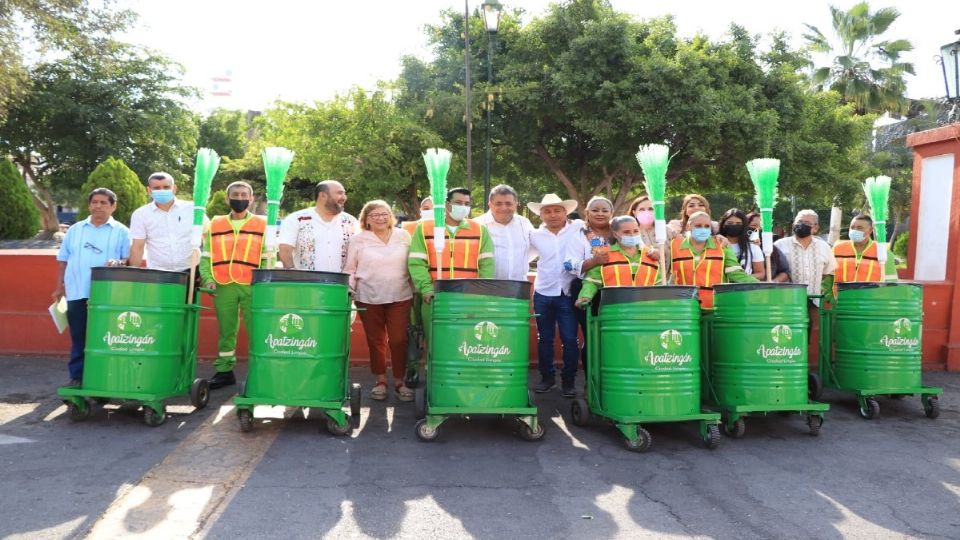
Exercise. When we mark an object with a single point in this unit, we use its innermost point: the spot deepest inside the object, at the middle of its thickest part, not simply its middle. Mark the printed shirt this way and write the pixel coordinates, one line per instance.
(511, 246)
(318, 244)
(167, 234)
(808, 264)
(582, 247)
(86, 245)
(552, 279)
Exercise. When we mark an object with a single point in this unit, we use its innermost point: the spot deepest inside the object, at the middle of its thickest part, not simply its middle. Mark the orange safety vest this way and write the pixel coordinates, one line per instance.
(705, 274)
(461, 253)
(868, 268)
(234, 255)
(617, 271)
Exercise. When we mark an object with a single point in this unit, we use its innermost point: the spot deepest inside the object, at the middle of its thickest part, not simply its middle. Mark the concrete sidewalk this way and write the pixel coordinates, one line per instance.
(898, 476)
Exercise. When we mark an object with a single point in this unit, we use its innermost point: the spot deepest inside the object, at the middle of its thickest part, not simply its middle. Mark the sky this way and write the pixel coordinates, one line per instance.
(312, 50)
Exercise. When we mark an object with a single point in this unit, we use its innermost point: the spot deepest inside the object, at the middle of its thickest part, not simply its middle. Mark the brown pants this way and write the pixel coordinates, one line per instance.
(383, 322)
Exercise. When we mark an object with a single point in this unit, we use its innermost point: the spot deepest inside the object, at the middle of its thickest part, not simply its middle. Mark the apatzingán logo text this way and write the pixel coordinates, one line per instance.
(778, 353)
(285, 342)
(488, 350)
(888, 341)
(671, 359)
(127, 339)
(492, 352)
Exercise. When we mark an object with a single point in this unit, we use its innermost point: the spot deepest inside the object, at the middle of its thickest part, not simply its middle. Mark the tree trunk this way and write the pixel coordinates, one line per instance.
(43, 201)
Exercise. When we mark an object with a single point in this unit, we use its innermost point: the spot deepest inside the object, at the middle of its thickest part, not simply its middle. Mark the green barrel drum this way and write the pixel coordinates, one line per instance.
(877, 332)
(137, 321)
(299, 336)
(479, 352)
(758, 349)
(649, 352)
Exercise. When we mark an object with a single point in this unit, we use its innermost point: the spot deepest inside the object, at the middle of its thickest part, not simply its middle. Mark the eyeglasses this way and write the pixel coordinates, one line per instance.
(382, 215)
(95, 249)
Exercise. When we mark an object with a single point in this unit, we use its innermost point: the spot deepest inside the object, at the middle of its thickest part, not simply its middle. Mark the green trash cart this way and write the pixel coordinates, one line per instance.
(141, 343)
(643, 363)
(756, 354)
(300, 347)
(870, 344)
(478, 355)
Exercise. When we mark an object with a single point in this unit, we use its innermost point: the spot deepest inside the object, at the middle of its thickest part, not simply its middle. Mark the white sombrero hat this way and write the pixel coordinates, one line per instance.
(551, 199)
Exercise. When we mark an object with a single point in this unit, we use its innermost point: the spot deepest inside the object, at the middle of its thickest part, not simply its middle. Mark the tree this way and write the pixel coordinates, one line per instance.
(866, 69)
(224, 131)
(114, 175)
(118, 101)
(217, 205)
(19, 218)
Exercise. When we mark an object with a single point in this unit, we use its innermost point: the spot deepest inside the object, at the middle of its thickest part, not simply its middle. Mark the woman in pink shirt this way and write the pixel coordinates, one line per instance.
(377, 264)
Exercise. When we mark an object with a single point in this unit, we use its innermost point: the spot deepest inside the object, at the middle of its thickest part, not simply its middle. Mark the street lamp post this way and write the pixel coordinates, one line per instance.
(950, 64)
(491, 18)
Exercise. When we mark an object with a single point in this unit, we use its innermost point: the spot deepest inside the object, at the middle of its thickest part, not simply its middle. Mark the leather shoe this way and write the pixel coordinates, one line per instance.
(221, 379)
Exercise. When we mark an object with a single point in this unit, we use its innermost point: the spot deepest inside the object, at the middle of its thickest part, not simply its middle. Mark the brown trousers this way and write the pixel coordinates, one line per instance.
(383, 323)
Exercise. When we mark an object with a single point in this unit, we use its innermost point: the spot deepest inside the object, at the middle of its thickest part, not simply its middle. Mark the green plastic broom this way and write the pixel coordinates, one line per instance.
(764, 173)
(437, 161)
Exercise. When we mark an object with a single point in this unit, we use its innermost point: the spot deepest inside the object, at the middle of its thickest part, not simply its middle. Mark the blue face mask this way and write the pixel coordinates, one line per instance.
(162, 196)
(631, 241)
(857, 236)
(701, 234)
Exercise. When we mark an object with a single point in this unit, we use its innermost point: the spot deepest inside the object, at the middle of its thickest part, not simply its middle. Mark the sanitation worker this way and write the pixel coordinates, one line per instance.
(467, 251)
(233, 248)
(629, 263)
(426, 214)
(857, 257)
(98, 240)
(698, 259)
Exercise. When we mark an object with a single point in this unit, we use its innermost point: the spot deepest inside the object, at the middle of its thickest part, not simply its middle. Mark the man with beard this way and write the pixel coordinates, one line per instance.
(317, 238)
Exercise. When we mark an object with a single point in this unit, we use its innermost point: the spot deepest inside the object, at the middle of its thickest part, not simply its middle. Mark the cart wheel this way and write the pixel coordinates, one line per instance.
(200, 393)
(579, 412)
(420, 402)
(355, 404)
(77, 414)
(336, 429)
(101, 400)
(735, 430)
(712, 438)
(932, 407)
(813, 423)
(246, 420)
(426, 433)
(814, 386)
(643, 442)
(154, 418)
(871, 409)
(530, 435)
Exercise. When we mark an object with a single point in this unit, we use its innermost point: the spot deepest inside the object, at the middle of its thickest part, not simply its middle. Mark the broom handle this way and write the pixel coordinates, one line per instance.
(663, 263)
(194, 260)
(768, 268)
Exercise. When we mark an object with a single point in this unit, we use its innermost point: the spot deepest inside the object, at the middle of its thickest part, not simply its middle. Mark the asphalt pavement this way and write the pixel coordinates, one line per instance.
(198, 476)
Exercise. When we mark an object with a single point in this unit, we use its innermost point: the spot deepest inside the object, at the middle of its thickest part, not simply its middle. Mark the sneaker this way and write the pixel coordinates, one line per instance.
(221, 379)
(545, 385)
(568, 390)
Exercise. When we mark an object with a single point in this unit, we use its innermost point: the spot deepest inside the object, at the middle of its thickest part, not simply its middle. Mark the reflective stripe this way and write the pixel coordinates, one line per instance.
(419, 256)
(228, 353)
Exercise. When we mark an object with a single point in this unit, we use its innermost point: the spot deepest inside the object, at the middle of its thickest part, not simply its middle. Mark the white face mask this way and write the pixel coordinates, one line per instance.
(426, 215)
(459, 212)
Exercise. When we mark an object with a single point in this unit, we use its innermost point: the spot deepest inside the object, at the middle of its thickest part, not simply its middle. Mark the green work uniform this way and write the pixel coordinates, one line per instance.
(418, 264)
(593, 281)
(229, 301)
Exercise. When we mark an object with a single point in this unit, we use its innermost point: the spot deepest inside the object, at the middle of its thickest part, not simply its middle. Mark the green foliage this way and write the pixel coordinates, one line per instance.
(114, 175)
(19, 219)
(900, 245)
(217, 205)
(224, 131)
(866, 69)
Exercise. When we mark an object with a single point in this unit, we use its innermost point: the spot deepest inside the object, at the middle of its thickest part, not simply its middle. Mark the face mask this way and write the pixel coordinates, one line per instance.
(754, 235)
(644, 217)
(426, 215)
(459, 212)
(239, 205)
(631, 241)
(732, 229)
(700, 234)
(802, 230)
(857, 236)
(162, 196)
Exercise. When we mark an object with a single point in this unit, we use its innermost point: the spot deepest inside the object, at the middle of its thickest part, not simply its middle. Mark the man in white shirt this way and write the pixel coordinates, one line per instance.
(552, 301)
(809, 257)
(510, 233)
(317, 238)
(161, 229)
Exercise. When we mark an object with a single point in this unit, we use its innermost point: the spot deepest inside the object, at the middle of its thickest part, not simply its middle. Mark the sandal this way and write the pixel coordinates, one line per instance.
(379, 391)
(404, 393)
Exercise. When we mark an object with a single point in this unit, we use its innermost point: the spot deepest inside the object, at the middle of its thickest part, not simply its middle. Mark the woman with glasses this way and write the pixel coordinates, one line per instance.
(377, 264)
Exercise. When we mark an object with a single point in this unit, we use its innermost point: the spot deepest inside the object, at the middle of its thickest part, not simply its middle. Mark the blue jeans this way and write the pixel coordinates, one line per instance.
(77, 318)
(556, 312)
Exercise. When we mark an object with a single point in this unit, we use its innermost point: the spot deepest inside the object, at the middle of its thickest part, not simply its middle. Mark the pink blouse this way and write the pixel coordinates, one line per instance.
(378, 270)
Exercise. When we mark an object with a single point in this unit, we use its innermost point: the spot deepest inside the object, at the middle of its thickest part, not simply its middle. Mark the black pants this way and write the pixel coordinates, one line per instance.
(77, 318)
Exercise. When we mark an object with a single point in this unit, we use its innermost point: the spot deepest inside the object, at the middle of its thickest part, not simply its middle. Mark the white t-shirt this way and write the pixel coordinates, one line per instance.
(166, 232)
(753, 254)
(511, 246)
(318, 244)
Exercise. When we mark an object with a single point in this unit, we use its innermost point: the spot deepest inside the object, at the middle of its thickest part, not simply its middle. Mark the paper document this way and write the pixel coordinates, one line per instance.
(58, 312)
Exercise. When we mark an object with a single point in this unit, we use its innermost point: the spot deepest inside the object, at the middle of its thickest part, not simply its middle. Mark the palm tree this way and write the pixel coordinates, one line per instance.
(858, 42)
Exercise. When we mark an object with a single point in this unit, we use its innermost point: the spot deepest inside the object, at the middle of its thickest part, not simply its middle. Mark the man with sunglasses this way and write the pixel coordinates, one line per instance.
(98, 240)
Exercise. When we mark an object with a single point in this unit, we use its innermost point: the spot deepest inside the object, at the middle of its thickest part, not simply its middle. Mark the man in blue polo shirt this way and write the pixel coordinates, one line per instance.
(98, 240)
